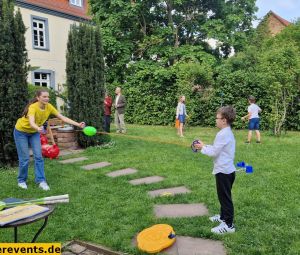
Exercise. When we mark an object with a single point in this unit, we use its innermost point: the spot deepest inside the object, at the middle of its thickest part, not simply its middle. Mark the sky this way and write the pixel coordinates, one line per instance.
(287, 9)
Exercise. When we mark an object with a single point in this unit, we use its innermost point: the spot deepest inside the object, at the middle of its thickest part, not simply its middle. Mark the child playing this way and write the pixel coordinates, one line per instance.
(27, 132)
(223, 151)
(253, 118)
(181, 114)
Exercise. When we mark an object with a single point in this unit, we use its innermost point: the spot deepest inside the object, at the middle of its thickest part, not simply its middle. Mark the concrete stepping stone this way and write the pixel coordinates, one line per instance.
(85, 248)
(169, 191)
(76, 248)
(96, 165)
(146, 180)
(121, 172)
(180, 210)
(65, 152)
(186, 245)
(72, 160)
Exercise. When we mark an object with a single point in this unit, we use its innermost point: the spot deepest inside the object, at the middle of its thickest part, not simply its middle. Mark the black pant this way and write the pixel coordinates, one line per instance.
(106, 124)
(224, 184)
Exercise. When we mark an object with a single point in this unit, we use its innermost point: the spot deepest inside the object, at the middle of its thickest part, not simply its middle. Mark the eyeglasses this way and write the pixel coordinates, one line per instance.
(219, 118)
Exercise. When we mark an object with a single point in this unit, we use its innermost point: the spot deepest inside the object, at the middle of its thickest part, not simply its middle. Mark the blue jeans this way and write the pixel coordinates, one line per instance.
(23, 140)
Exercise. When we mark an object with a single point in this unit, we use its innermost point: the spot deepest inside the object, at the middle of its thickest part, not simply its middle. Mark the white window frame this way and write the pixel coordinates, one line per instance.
(40, 33)
(45, 79)
(78, 3)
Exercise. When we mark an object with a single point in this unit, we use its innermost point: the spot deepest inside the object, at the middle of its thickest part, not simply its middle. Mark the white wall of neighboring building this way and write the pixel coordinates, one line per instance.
(54, 58)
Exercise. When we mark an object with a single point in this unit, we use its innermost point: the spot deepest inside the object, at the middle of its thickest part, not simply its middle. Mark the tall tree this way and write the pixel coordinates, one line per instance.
(13, 74)
(85, 78)
(141, 29)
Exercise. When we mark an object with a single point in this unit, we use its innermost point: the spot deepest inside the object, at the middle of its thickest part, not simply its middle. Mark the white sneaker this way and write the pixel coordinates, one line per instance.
(44, 186)
(22, 185)
(216, 218)
(223, 229)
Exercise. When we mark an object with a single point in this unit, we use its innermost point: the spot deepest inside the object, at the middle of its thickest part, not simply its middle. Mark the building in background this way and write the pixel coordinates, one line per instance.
(48, 23)
(275, 23)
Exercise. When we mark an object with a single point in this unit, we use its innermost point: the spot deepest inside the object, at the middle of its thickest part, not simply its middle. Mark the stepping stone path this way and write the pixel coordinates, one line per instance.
(169, 191)
(146, 180)
(122, 172)
(72, 160)
(186, 245)
(96, 165)
(180, 210)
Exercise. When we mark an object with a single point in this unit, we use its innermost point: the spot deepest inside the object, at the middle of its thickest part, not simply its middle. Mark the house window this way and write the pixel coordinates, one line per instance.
(43, 78)
(76, 2)
(40, 33)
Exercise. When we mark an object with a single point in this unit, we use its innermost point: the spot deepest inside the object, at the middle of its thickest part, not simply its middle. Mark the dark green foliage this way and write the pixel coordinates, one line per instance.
(144, 92)
(85, 79)
(138, 30)
(157, 51)
(32, 89)
(270, 72)
(152, 90)
(13, 73)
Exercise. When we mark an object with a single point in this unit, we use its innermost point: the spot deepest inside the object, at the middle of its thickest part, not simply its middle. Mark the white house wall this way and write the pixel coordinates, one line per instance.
(53, 59)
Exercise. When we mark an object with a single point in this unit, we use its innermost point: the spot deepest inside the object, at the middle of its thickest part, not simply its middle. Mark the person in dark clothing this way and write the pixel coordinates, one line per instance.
(107, 112)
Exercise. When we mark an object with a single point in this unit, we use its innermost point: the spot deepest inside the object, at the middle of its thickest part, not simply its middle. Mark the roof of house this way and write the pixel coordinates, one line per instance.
(60, 6)
(282, 20)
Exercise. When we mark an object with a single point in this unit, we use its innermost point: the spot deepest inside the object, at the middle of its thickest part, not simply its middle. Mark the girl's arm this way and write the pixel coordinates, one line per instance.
(69, 121)
(33, 124)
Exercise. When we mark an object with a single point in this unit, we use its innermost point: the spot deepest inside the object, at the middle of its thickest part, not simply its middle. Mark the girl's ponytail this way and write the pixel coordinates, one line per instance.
(25, 112)
(32, 101)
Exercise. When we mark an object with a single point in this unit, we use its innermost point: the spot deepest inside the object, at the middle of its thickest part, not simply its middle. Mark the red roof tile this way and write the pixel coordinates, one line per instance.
(282, 20)
(63, 6)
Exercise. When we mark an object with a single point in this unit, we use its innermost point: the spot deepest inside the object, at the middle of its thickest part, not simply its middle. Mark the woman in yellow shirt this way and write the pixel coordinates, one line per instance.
(27, 132)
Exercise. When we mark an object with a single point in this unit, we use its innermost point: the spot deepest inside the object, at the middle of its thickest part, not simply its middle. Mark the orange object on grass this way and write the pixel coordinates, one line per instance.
(177, 123)
(156, 238)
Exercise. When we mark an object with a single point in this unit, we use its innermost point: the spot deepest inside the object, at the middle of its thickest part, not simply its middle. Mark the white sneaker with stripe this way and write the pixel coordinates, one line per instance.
(215, 218)
(223, 229)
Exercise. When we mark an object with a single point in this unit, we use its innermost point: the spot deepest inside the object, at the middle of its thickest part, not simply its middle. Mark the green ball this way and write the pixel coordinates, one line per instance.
(89, 131)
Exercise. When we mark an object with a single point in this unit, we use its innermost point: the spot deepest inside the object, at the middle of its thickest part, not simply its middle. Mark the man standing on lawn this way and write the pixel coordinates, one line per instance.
(120, 104)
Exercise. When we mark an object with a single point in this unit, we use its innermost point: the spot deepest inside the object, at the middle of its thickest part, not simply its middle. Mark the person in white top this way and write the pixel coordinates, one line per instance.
(253, 117)
(223, 151)
(181, 114)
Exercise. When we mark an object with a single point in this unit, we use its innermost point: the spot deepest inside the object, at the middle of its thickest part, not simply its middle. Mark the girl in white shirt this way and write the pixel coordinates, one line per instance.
(181, 115)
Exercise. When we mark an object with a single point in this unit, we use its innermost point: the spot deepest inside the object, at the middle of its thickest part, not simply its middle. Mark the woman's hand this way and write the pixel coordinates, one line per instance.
(40, 129)
(81, 124)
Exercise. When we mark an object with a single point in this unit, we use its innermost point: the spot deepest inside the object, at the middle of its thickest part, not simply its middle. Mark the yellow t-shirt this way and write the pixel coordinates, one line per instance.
(40, 116)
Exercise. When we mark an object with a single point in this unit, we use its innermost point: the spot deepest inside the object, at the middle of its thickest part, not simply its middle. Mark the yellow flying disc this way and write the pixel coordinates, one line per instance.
(156, 238)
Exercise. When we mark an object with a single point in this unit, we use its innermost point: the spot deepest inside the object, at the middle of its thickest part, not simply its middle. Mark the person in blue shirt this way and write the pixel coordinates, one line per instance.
(222, 151)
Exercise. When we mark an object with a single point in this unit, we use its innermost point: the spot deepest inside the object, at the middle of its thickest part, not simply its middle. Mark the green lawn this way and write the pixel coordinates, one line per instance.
(111, 211)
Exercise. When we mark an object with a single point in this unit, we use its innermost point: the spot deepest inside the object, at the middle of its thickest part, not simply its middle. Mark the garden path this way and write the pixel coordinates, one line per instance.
(184, 245)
